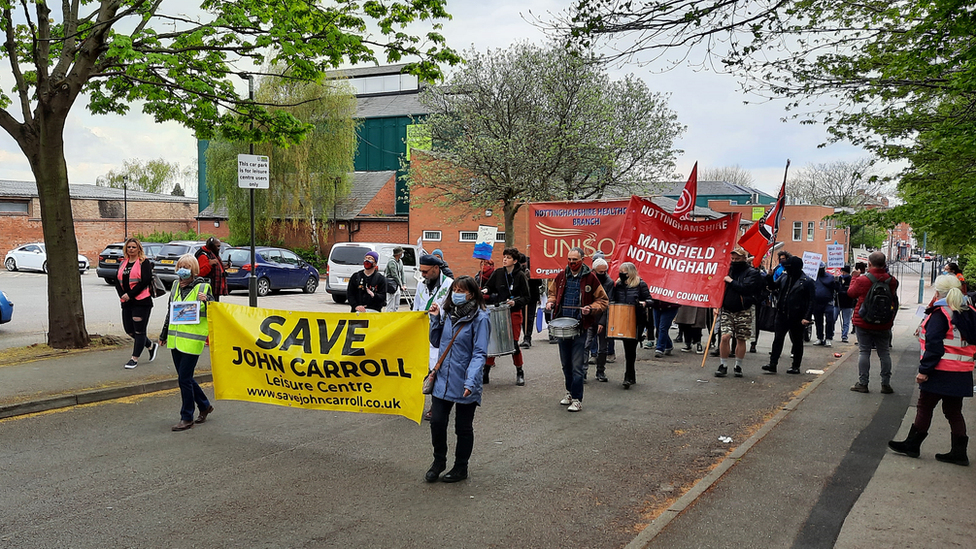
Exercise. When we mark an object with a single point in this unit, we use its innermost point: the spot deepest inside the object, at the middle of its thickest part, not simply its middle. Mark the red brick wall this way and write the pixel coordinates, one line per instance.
(384, 203)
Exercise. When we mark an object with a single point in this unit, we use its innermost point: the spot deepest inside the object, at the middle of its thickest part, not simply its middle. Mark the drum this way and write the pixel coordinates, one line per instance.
(622, 321)
(501, 338)
(564, 328)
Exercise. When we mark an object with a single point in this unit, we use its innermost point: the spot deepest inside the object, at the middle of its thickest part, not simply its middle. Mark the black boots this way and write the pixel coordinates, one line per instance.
(435, 470)
(958, 453)
(456, 474)
(601, 367)
(910, 446)
(485, 373)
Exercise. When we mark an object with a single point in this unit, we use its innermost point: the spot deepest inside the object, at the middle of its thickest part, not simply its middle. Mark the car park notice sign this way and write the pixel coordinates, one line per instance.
(253, 171)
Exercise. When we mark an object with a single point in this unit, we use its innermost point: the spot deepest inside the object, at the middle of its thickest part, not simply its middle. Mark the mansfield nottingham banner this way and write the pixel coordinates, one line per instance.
(557, 227)
(368, 362)
(683, 262)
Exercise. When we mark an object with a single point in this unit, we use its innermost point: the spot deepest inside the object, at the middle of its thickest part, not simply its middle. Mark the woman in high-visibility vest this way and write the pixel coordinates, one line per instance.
(132, 282)
(945, 371)
(186, 329)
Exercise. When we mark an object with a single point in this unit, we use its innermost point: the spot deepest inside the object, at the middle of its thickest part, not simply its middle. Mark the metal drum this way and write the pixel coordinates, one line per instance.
(564, 328)
(501, 338)
(621, 321)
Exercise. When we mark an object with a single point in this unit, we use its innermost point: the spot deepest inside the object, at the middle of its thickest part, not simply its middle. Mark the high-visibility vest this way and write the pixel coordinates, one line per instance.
(959, 353)
(189, 338)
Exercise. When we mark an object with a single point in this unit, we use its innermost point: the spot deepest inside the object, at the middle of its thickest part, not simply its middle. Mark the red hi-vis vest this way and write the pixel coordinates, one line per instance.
(958, 355)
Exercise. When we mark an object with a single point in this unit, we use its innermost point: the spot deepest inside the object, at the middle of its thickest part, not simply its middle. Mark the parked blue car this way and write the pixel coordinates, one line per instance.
(276, 269)
(6, 308)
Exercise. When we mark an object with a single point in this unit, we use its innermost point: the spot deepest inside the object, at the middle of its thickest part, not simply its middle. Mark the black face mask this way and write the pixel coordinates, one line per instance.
(602, 276)
(623, 276)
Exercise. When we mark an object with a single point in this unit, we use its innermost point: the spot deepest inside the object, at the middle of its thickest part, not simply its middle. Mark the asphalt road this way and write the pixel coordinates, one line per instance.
(114, 475)
(103, 314)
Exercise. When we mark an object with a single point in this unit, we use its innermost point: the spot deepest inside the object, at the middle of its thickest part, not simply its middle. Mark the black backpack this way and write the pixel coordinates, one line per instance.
(879, 303)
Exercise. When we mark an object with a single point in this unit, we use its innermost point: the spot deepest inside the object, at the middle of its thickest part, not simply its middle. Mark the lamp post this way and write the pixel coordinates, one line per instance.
(125, 207)
(252, 281)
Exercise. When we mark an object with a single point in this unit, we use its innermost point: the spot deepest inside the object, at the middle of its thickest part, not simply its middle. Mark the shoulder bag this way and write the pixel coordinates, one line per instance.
(432, 375)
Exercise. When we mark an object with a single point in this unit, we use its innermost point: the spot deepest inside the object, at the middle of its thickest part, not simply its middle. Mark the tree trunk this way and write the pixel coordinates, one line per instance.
(510, 208)
(66, 311)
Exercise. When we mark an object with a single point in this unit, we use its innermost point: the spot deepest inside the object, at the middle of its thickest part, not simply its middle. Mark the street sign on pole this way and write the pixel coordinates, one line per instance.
(253, 171)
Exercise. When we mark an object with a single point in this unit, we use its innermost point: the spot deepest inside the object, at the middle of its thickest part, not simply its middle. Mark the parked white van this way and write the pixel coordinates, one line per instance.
(346, 258)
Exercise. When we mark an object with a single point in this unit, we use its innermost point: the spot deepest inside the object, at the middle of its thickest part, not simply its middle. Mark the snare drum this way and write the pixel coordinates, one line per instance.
(501, 340)
(621, 321)
(564, 327)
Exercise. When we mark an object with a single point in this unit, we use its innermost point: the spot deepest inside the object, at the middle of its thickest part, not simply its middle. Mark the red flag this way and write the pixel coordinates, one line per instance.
(762, 234)
(686, 202)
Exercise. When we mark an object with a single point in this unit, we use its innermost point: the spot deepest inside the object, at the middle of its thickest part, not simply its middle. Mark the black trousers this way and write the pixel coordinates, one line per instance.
(440, 413)
(796, 332)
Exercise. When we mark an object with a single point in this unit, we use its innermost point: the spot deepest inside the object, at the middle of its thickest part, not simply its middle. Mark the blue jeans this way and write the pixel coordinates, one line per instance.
(880, 340)
(662, 322)
(824, 320)
(190, 390)
(572, 356)
(845, 322)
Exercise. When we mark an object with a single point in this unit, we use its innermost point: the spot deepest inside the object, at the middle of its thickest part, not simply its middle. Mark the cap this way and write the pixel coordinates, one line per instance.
(428, 259)
(397, 250)
(599, 262)
(372, 255)
(438, 253)
(739, 250)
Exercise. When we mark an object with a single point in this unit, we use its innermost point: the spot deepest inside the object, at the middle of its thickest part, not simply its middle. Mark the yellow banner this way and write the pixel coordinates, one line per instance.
(370, 363)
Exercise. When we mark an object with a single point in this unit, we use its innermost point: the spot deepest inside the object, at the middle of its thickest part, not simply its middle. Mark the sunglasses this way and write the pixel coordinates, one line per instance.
(425, 271)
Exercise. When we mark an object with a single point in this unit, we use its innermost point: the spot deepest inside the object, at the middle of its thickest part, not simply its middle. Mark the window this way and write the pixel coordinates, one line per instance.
(385, 83)
(500, 236)
(289, 258)
(432, 236)
(797, 231)
(10, 207)
(810, 228)
(468, 236)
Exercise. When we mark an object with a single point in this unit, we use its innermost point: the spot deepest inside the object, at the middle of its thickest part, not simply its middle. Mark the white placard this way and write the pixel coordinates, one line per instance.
(835, 256)
(184, 312)
(253, 171)
(811, 263)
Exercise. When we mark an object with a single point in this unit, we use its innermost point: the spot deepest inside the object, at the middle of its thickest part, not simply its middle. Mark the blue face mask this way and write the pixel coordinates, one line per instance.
(458, 298)
(183, 273)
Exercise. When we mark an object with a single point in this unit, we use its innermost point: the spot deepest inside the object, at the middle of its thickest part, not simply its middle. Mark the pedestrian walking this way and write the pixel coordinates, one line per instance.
(631, 290)
(845, 304)
(434, 289)
(577, 296)
(794, 309)
(211, 268)
(597, 332)
(742, 287)
(664, 313)
(824, 297)
(132, 282)
(509, 286)
(367, 287)
(443, 266)
(532, 307)
(945, 370)
(876, 293)
(186, 336)
(395, 280)
(461, 336)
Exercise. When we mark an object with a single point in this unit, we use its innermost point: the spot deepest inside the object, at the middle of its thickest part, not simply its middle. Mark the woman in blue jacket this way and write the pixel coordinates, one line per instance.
(458, 381)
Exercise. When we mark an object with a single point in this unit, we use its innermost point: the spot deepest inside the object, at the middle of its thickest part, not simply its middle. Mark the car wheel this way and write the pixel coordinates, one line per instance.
(339, 298)
(44, 267)
(264, 287)
(310, 285)
(11, 264)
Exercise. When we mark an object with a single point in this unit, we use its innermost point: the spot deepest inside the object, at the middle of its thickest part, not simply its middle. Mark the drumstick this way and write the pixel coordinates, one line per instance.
(710, 332)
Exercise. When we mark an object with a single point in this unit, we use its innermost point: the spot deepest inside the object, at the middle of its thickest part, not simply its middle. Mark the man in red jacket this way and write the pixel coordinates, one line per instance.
(876, 335)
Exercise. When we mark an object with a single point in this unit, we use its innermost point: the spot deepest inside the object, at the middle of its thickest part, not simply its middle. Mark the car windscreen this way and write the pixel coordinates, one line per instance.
(174, 249)
(239, 257)
(348, 255)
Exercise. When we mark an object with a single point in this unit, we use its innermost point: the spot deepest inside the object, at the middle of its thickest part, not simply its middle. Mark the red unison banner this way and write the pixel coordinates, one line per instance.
(557, 227)
(683, 262)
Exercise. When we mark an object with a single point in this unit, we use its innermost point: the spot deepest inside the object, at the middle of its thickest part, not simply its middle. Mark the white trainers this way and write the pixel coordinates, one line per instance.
(576, 406)
(152, 351)
(829, 343)
(568, 399)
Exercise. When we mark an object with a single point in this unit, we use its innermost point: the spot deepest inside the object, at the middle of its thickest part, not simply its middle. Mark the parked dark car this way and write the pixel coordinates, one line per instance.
(111, 256)
(275, 268)
(6, 308)
(164, 264)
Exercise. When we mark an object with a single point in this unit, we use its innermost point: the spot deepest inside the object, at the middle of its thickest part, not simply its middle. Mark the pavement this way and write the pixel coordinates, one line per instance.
(815, 474)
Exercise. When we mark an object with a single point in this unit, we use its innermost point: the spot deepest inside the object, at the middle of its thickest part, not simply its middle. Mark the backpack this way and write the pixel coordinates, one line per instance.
(879, 303)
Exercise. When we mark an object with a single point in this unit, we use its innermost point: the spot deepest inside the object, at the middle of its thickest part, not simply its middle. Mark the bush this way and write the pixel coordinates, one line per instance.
(312, 258)
(157, 236)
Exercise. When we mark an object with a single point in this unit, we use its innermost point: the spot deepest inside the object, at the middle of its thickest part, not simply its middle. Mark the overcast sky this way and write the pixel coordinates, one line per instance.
(722, 131)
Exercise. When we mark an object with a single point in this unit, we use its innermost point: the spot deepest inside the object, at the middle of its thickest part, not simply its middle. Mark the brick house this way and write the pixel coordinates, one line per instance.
(802, 228)
(100, 215)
